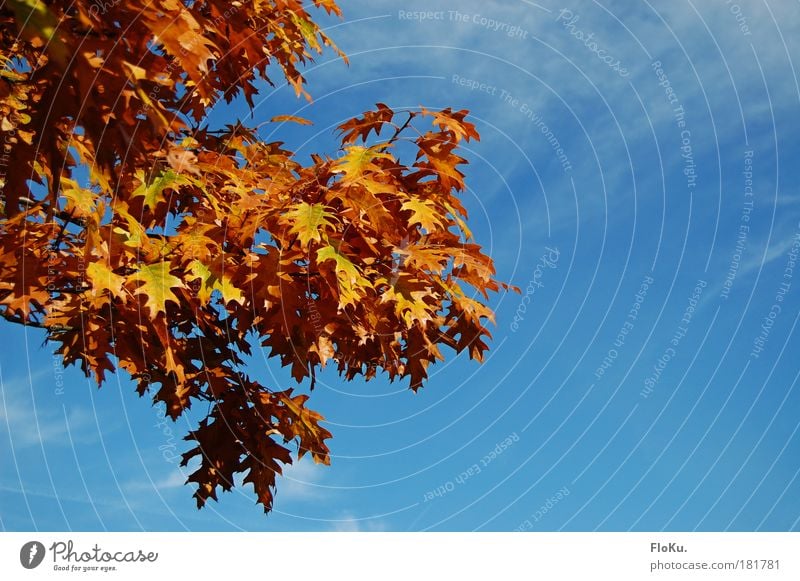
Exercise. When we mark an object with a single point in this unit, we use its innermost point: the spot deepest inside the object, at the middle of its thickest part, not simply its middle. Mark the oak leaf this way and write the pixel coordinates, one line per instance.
(156, 286)
(140, 234)
(307, 221)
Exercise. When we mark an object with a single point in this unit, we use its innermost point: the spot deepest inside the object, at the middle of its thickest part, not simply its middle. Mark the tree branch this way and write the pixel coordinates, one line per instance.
(398, 131)
(22, 321)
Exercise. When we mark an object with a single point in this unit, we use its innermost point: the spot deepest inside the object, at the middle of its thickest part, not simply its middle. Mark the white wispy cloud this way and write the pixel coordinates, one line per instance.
(173, 479)
(349, 523)
(31, 420)
(300, 481)
(598, 116)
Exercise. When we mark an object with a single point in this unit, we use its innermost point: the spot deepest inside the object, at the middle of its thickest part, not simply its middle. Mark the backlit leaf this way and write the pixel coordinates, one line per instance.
(424, 214)
(153, 192)
(308, 221)
(156, 286)
(350, 280)
(210, 282)
(142, 234)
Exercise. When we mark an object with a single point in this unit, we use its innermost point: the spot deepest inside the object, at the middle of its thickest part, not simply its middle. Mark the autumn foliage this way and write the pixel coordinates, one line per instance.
(141, 239)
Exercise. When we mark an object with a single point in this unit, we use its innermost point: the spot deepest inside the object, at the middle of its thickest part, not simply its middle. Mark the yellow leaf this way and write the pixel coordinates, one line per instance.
(306, 221)
(425, 257)
(157, 285)
(454, 122)
(210, 282)
(80, 201)
(308, 29)
(135, 236)
(291, 119)
(154, 193)
(357, 160)
(424, 214)
(104, 279)
(347, 275)
(96, 174)
(410, 304)
(462, 225)
(135, 72)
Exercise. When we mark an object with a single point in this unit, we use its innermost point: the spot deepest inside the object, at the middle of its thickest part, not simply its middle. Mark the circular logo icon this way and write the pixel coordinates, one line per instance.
(31, 554)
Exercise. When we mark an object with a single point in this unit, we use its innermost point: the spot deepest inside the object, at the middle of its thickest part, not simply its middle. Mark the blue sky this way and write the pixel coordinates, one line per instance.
(649, 378)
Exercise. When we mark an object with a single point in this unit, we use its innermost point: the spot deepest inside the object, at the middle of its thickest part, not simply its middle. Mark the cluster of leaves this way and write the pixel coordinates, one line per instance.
(142, 240)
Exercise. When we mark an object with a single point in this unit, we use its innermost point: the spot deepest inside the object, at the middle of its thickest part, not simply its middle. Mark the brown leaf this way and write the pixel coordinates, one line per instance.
(139, 237)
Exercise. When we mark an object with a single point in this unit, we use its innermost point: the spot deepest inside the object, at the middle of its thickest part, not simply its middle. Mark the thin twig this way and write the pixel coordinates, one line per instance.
(398, 131)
